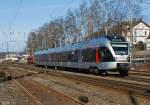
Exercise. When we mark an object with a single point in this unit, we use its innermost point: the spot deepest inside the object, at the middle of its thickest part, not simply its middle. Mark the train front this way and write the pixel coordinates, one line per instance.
(121, 53)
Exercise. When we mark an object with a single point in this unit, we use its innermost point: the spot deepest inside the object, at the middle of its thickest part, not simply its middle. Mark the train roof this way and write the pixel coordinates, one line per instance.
(102, 40)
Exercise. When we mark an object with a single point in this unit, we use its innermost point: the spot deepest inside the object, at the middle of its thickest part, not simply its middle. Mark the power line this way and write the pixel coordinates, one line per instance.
(13, 19)
(146, 1)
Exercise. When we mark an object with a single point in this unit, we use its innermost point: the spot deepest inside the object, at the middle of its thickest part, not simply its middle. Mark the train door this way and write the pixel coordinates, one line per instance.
(101, 57)
(105, 58)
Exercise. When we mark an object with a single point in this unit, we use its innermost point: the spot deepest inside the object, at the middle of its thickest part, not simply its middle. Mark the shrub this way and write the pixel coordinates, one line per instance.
(83, 99)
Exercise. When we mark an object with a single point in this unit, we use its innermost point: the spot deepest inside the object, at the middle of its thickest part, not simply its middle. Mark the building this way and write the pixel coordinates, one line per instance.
(139, 31)
(148, 44)
(12, 57)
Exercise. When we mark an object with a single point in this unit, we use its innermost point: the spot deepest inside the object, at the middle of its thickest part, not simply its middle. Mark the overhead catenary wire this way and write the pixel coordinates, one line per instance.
(146, 1)
(13, 18)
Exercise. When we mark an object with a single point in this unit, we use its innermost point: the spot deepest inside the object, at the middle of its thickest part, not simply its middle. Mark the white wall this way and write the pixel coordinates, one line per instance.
(148, 44)
(140, 32)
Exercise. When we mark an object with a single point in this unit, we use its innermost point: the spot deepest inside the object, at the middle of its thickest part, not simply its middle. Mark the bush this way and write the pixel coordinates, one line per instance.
(3, 77)
(2, 74)
(83, 99)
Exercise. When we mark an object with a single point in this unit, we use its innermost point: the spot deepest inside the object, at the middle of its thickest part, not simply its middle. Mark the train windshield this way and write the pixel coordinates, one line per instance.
(120, 48)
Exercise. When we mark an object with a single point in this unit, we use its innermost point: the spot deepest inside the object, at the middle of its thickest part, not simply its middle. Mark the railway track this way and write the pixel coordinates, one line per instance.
(27, 92)
(138, 78)
(17, 73)
(131, 77)
(60, 94)
(126, 87)
(25, 85)
(135, 72)
(43, 95)
(141, 73)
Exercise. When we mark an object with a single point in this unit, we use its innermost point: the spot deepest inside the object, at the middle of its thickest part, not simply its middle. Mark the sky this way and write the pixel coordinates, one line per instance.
(24, 16)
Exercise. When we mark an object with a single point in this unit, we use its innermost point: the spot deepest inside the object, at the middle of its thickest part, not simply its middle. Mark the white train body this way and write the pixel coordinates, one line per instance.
(106, 53)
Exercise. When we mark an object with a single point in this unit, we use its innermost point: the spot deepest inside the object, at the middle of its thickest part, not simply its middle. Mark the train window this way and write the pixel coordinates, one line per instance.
(65, 56)
(75, 56)
(53, 57)
(45, 57)
(69, 56)
(120, 49)
(105, 55)
(88, 55)
(58, 57)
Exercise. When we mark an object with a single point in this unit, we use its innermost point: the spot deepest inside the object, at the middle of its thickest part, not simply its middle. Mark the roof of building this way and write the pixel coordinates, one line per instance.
(135, 22)
(143, 23)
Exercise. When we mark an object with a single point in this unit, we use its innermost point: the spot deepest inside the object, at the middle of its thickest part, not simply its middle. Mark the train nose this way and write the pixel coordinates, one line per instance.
(122, 59)
(125, 66)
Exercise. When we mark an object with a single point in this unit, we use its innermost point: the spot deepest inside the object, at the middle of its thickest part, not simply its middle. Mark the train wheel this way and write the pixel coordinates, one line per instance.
(46, 66)
(91, 70)
(55, 68)
(96, 71)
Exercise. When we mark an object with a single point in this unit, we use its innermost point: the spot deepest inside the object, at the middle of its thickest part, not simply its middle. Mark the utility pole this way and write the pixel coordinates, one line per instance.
(7, 40)
(131, 32)
(7, 50)
(8, 47)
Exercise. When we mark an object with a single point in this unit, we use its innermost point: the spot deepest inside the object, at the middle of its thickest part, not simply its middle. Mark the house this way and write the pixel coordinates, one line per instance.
(139, 32)
(12, 57)
(148, 44)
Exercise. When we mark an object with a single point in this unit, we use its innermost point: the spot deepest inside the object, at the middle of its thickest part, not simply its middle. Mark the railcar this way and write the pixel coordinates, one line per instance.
(30, 60)
(102, 54)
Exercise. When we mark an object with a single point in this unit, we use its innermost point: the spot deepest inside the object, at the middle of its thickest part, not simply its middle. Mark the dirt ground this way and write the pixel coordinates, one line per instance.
(143, 67)
(97, 95)
(11, 94)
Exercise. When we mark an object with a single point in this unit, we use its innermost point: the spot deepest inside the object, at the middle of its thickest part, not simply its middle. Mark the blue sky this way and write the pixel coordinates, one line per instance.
(33, 14)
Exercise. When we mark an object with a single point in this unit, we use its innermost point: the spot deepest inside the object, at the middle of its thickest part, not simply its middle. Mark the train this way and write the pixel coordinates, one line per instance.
(98, 55)
(30, 59)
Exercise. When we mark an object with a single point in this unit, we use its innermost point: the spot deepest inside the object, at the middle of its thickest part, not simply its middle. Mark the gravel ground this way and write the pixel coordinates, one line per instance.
(43, 95)
(142, 67)
(96, 95)
(11, 94)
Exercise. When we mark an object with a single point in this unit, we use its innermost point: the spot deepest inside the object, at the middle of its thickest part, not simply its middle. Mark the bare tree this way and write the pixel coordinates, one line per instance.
(71, 29)
(100, 17)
